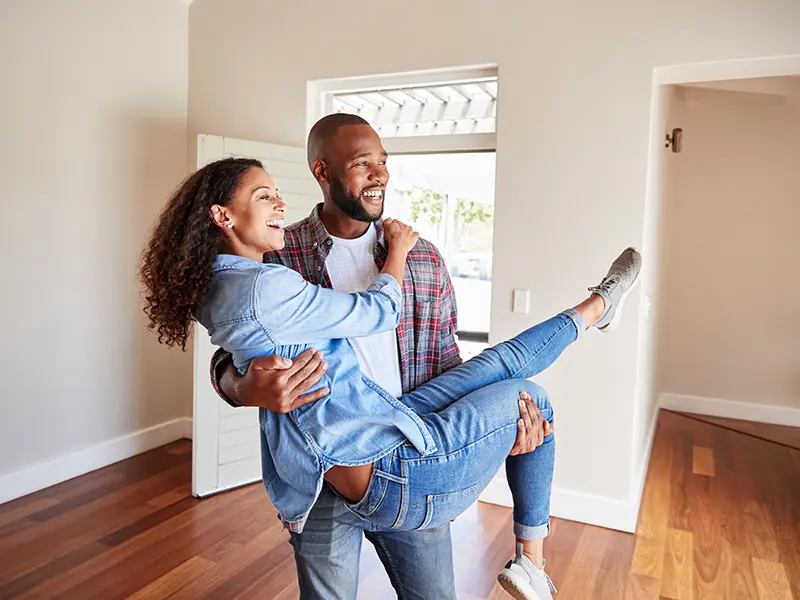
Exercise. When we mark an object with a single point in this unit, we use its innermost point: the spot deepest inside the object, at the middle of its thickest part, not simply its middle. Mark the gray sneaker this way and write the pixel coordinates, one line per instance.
(524, 581)
(615, 287)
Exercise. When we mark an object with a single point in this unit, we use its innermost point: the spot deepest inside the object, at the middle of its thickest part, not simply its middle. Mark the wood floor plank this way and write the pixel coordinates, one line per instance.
(483, 534)
(560, 546)
(682, 480)
(171, 496)
(648, 557)
(181, 448)
(780, 489)
(771, 580)
(25, 510)
(656, 496)
(741, 583)
(257, 579)
(232, 546)
(677, 582)
(796, 457)
(615, 568)
(174, 581)
(712, 568)
(737, 496)
(703, 461)
(651, 532)
(149, 521)
(18, 587)
(781, 434)
(234, 560)
(642, 587)
(586, 564)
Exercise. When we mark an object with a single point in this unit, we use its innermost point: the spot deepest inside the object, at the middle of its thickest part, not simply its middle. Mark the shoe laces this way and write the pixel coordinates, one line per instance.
(547, 578)
(607, 285)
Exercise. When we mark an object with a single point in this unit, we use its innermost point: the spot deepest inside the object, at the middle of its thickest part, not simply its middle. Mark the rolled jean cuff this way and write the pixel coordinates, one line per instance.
(530, 533)
(580, 324)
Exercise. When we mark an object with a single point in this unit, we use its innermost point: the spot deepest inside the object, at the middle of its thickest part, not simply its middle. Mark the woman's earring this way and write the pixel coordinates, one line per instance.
(229, 225)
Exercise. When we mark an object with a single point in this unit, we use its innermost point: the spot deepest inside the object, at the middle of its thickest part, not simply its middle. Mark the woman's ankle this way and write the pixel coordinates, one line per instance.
(533, 549)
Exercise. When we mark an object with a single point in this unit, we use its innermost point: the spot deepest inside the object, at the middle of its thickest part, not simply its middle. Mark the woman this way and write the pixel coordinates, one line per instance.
(410, 463)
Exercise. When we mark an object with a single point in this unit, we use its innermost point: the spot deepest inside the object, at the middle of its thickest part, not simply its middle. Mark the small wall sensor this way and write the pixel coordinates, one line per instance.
(675, 140)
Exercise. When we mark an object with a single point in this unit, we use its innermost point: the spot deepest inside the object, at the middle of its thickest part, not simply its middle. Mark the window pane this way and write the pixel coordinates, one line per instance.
(445, 109)
(449, 198)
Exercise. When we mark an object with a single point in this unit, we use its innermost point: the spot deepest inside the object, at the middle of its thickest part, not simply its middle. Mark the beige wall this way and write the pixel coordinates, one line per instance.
(731, 249)
(93, 120)
(573, 140)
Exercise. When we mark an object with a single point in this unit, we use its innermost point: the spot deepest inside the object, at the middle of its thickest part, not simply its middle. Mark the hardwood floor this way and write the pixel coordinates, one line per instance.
(781, 434)
(720, 519)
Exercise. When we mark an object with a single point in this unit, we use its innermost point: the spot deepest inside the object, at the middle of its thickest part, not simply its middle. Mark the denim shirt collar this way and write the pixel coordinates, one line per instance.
(224, 262)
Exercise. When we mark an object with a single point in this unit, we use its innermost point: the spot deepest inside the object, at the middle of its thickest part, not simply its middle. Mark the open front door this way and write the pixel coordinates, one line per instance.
(225, 447)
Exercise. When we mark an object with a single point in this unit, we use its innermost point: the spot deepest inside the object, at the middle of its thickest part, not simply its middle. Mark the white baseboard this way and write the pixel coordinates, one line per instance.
(41, 475)
(187, 427)
(640, 475)
(731, 409)
(574, 506)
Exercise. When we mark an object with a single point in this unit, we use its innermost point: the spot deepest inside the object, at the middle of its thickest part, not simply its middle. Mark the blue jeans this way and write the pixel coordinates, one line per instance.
(472, 413)
(419, 563)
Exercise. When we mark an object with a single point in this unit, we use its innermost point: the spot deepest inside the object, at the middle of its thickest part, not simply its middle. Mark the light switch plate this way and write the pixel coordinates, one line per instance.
(521, 301)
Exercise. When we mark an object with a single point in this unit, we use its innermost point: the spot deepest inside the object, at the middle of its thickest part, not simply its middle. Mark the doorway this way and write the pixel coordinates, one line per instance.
(764, 81)
(731, 204)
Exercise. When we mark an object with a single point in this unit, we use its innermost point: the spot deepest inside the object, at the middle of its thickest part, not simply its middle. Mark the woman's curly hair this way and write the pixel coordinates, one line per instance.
(176, 263)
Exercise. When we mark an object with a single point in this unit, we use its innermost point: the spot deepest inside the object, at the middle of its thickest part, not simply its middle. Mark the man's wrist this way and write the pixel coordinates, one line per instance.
(223, 380)
(230, 388)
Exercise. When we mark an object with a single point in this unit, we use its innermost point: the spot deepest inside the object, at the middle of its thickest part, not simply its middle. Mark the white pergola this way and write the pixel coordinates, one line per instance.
(466, 107)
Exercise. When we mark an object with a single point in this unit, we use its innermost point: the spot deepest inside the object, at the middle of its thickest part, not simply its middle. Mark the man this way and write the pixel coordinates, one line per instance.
(340, 245)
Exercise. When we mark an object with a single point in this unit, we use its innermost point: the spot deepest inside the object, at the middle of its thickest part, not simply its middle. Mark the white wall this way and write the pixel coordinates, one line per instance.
(573, 141)
(731, 249)
(93, 120)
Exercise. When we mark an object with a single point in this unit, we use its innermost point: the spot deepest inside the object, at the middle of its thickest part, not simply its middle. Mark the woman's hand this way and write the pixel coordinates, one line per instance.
(532, 427)
(399, 236)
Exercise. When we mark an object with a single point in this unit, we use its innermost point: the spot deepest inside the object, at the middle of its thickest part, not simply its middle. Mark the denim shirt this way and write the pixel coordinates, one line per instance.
(254, 309)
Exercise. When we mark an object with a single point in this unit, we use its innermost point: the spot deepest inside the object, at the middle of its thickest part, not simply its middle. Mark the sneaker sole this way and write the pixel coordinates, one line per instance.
(618, 315)
(516, 586)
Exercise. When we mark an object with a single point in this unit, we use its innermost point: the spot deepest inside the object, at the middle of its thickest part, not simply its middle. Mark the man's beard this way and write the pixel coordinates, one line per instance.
(349, 203)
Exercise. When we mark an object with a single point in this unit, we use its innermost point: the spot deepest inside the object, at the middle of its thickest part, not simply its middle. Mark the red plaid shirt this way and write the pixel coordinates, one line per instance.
(426, 334)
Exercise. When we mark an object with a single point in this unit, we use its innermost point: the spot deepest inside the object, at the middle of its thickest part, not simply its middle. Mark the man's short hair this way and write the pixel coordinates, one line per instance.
(325, 129)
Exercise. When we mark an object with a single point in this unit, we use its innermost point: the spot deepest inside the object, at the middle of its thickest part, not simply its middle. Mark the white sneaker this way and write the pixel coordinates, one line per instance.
(524, 581)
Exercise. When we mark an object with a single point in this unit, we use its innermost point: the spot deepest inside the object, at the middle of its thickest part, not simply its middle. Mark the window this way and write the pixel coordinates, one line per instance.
(407, 111)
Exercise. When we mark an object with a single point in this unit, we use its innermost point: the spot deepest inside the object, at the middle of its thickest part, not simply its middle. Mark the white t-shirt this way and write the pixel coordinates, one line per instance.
(351, 267)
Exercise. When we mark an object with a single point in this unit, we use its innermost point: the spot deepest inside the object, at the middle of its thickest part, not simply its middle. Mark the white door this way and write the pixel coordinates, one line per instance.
(225, 447)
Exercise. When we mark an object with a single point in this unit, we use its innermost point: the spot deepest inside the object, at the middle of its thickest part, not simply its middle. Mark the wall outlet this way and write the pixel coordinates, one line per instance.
(521, 301)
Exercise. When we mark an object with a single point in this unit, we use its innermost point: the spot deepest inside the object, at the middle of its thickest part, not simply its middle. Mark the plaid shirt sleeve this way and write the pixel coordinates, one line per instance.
(451, 355)
(219, 362)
